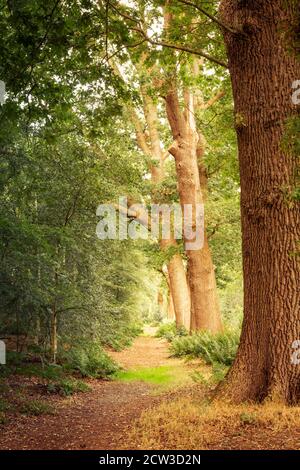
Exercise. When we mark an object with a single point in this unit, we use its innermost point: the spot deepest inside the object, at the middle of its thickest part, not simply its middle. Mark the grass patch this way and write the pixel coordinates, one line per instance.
(153, 375)
(163, 378)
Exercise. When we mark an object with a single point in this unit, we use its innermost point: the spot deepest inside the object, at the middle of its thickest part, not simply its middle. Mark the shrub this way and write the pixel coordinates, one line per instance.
(26, 364)
(218, 374)
(119, 340)
(67, 387)
(13, 361)
(3, 418)
(45, 371)
(36, 408)
(220, 348)
(247, 418)
(4, 405)
(169, 331)
(90, 361)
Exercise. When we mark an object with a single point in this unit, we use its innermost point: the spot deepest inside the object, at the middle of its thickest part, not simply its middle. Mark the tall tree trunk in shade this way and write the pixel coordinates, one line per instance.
(160, 302)
(263, 68)
(170, 307)
(53, 334)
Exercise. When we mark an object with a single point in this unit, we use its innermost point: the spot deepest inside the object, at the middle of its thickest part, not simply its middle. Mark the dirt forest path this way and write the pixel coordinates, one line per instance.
(101, 418)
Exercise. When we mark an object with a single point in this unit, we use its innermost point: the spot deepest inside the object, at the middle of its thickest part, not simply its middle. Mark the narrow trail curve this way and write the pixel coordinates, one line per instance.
(100, 418)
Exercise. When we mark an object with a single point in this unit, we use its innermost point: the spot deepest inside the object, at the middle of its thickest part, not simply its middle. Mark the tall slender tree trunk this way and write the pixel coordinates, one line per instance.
(53, 334)
(53, 321)
(160, 302)
(204, 302)
(208, 285)
(171, 311)
(177, 274)
(262, 72)
(178, 285)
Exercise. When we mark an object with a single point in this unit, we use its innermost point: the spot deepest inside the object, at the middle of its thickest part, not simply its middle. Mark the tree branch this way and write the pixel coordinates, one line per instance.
(212, 100)
(177, 47)
(140, 134)
(211, 17)
(140, 216)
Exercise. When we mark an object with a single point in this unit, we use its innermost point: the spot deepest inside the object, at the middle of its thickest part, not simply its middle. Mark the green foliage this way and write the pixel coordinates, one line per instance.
(121, 338)
(220, 348)
(21, 363)
(231, 298)
(67, 387)
(218, 374)
(4, 405)
(36, 408)
(14, 361)
(90, 361)
(248, 418)
(169, 331)
(66, 146)
(3, 418)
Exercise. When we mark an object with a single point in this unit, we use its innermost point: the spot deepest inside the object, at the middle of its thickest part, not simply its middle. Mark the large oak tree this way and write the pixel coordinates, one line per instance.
(263, 67)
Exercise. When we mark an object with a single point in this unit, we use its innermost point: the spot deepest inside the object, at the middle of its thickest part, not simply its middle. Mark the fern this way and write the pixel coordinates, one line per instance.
(220, 348)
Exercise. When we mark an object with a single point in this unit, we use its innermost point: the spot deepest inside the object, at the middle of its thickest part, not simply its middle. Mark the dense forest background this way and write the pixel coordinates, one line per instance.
(67, 145)
(155, 102)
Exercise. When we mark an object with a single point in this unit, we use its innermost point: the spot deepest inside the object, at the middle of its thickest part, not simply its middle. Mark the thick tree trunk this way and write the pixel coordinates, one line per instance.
(262, 72)
(205, 308)
(202, 280)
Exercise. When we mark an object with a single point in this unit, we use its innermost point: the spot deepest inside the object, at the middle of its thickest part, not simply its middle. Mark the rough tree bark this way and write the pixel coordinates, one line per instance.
(204, 302)
(178, 285)
(186, 149)
(262, 72)
(177, 275)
